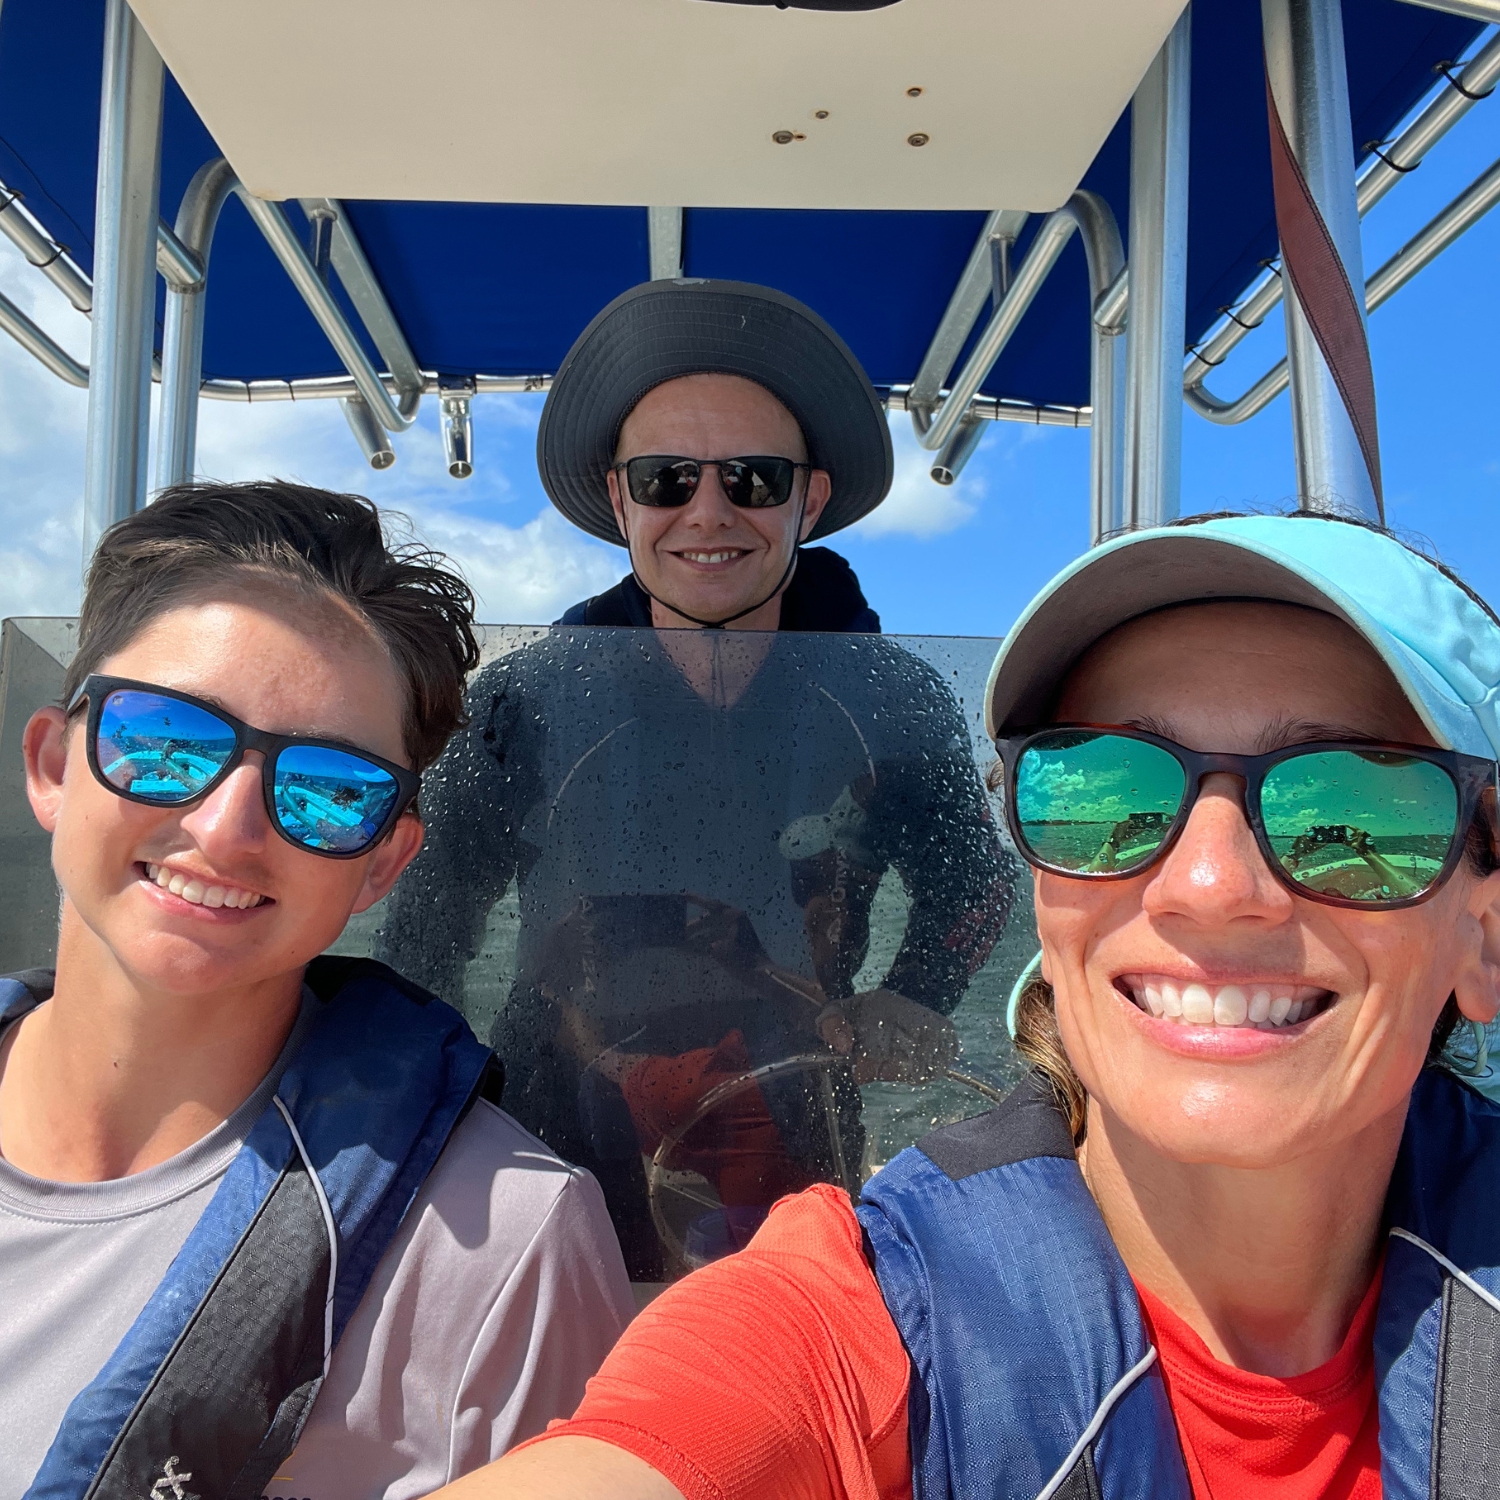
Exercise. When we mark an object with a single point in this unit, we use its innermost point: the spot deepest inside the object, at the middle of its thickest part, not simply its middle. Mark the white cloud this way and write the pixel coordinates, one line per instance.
(523, 560)
(523, 574)
(916, 506)
(41, 454)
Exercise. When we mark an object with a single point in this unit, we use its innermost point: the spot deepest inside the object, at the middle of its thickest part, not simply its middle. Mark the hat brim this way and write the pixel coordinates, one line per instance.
(665, 329)
(1150, 570)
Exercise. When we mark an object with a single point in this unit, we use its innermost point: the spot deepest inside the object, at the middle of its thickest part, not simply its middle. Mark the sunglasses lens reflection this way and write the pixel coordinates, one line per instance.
(1096, 803)
(158, 748)
(331, 800)
(662, 483)
(758, 483)
(750, 483)
(1360, 825)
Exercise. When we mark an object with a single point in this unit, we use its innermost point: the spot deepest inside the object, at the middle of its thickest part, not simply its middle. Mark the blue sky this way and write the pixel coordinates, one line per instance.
(960, 561)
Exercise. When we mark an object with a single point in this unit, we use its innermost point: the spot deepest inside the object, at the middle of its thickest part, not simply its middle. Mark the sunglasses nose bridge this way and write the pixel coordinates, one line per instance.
(709, 504)
(232, 815)
(711, 479)
(1224, 776)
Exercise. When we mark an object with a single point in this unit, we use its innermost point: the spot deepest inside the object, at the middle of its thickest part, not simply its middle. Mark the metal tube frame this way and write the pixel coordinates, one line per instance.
(1416, 254)
(182, 342)
(934, 431)
(936, 418)
(337, 387)
(373, 441)
(180, 257)
(363, 286)
(270, 218)
(1151, 466)
(975, 284)
(1106, 261)
(1308, 80)
(22, 228)
(1432, 121)
(41, 345)
(1475, 10)
(178, 265)
(130, 113)
(182, 326)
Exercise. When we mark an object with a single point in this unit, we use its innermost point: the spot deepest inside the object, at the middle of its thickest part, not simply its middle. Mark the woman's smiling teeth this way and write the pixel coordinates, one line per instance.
(714, 557)
(1266, 1007)
(190, 888)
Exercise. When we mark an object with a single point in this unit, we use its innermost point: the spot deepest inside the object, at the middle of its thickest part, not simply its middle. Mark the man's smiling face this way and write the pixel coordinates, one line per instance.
(707, 557)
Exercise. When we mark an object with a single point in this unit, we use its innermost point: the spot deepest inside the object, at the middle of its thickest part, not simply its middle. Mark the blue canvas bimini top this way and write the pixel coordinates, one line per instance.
(504, 289)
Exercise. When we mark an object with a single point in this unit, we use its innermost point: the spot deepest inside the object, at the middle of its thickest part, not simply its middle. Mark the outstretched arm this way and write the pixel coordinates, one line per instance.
(565, 1468)
(775, 1374)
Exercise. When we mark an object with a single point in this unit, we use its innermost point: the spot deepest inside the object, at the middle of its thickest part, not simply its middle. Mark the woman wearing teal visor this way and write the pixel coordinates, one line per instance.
(1237, 1234)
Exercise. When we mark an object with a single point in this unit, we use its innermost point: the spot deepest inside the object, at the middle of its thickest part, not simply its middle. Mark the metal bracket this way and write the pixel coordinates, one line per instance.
(1000, 248)
(458, 428)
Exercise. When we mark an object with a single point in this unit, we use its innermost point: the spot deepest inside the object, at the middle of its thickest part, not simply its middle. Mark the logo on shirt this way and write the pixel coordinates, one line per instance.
(170, 1485)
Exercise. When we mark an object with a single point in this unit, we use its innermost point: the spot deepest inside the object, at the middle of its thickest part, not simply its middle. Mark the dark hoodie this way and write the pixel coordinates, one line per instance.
(824, 594)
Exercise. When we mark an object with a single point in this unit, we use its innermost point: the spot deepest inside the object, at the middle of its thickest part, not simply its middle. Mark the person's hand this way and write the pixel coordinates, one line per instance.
(889, 1038)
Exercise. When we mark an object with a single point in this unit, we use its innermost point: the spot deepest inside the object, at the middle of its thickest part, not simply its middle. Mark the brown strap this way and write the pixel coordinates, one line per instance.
(1312, 263)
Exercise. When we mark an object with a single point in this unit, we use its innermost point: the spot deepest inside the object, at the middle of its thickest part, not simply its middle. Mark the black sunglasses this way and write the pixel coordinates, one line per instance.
(164, 748)
(666, 482)
(1347, 822)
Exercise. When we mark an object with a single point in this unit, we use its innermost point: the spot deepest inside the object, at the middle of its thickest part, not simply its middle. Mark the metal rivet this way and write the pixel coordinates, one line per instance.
(783, 137)
(919, 139)
(820, 114)
(914, 93)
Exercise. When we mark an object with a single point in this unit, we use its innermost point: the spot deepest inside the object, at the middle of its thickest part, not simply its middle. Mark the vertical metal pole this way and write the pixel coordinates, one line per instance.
(664, 237)
(1155, 334)
(1304, 42)
(125, 215)
(1106, 433)
(182, 329)
(181, 375)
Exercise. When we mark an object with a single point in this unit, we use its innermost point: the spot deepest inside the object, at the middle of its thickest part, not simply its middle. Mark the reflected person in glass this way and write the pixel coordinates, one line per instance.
(698, 819)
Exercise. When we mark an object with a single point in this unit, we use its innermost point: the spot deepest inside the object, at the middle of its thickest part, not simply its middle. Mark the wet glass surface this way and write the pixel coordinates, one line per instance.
(734, 909)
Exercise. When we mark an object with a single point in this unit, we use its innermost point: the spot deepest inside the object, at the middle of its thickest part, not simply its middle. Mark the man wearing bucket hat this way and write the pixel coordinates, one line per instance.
(711, 428)
(1235, 1235)
(695, 889)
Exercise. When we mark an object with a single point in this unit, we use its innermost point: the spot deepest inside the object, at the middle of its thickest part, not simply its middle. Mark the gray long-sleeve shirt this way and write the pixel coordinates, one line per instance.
(498, 1298)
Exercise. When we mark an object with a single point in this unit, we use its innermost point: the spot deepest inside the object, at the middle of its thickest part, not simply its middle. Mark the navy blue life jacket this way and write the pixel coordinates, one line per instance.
(1032, 1374)
(208, 1390)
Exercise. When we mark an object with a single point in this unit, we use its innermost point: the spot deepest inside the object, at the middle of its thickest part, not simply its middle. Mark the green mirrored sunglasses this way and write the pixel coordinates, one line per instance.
(1347, 822)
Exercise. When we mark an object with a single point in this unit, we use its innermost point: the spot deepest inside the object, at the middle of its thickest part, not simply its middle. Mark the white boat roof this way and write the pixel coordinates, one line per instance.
(674, 102)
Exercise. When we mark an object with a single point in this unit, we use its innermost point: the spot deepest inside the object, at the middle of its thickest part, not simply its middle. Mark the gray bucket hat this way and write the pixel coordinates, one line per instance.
(660, 330)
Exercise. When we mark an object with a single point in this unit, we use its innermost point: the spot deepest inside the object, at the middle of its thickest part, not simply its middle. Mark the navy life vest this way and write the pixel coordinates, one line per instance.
(208, 1390)
(1032, 1374)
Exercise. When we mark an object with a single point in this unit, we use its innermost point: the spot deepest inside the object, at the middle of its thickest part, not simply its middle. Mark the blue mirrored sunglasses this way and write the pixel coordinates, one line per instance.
(166, 749)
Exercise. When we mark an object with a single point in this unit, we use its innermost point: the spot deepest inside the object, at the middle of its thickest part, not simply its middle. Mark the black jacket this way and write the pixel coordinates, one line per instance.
(824, 594)
(619, 866)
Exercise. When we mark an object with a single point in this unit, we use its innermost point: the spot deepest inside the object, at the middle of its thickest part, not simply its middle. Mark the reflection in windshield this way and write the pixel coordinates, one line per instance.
(754, 878)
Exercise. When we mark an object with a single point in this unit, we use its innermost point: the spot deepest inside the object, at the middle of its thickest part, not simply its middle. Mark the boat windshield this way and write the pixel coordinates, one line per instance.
(731, 907)
(734, 909)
